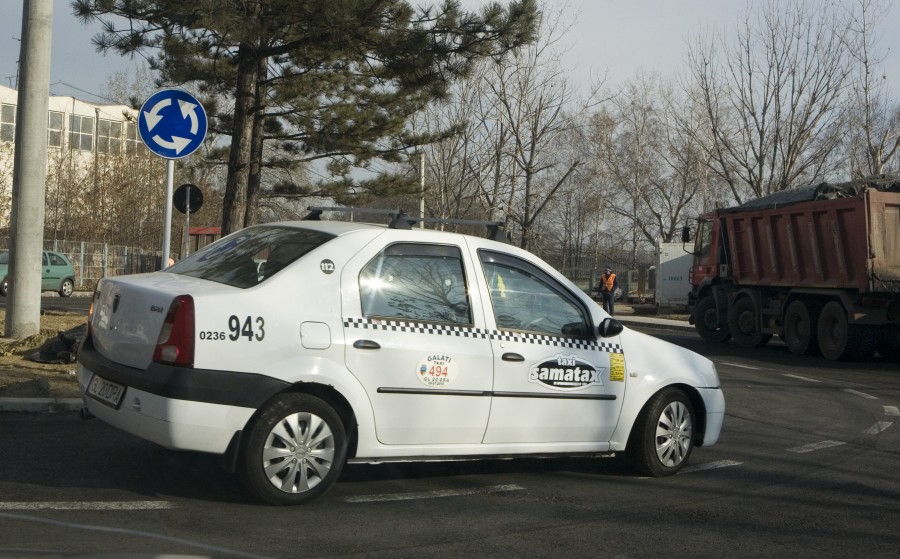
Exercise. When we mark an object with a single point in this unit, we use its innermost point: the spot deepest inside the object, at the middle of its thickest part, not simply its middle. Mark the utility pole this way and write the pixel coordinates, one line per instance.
(23, 316)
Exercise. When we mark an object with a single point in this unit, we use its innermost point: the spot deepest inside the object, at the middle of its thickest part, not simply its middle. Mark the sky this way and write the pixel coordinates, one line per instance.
(612, 37)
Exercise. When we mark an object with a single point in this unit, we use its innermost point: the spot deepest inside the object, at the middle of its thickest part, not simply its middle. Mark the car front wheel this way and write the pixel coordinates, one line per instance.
(293, 451)
(66, 289)
(663, 437)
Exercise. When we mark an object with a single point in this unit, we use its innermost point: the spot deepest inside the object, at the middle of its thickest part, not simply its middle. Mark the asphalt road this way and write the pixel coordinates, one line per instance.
(807, 466)
(79, 302)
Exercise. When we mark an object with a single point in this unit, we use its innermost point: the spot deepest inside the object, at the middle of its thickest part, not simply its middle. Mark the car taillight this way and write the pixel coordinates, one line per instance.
(176, 339)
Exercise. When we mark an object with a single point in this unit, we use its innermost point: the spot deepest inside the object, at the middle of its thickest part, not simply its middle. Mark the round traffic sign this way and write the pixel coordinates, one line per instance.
(172, 123)
(187, 193)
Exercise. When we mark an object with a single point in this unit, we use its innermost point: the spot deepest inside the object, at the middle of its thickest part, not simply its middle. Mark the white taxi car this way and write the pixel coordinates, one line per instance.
(293, 348)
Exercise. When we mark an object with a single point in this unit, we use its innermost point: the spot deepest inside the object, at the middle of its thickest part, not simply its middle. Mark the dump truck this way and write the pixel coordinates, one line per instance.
(818, 266)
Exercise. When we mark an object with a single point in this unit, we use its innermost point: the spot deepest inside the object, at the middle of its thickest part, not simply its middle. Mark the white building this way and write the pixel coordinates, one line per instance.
(84, 128)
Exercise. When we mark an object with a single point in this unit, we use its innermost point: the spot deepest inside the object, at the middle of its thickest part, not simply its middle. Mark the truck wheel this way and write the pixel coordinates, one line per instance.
(800, 324)
(706, 321)
(293, 451)
(663, 436)
(742, 323)
(840, 340)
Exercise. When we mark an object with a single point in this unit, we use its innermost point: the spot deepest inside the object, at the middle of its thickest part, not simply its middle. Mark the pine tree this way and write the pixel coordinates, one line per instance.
(335, 79)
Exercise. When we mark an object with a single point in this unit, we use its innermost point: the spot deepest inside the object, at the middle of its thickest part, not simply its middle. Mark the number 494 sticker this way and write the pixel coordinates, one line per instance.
(251, 328)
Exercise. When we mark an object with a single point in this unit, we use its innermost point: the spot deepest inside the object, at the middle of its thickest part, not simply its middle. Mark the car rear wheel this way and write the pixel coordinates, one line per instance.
(66, 289)
(663, 437)
(293, 451)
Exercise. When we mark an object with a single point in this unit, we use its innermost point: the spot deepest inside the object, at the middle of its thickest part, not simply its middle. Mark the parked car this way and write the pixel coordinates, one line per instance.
(364, 343)
(57, 273)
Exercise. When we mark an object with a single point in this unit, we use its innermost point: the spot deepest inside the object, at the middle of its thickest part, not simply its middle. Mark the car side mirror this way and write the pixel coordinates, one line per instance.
(686, 234)
(610, 327)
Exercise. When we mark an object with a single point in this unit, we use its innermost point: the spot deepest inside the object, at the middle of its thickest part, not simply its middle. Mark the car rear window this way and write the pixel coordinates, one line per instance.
(250, 256)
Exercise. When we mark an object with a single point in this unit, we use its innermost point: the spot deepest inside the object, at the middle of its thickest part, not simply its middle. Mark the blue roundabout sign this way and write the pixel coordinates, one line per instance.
(172, 123)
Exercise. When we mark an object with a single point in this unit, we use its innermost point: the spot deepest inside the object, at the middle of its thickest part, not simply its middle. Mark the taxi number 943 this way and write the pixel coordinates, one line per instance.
(251, 328)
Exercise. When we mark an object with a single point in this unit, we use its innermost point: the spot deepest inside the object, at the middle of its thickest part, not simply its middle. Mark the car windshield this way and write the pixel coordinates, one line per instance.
(250, 256)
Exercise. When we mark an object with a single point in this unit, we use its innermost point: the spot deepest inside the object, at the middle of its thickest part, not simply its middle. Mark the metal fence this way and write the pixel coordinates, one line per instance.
(93, 261)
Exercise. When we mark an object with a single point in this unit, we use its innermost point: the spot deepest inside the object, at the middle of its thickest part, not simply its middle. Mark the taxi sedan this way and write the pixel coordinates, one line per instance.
(293, 348)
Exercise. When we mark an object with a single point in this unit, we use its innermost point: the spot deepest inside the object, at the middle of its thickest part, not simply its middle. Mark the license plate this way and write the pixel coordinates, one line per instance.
(106, 391)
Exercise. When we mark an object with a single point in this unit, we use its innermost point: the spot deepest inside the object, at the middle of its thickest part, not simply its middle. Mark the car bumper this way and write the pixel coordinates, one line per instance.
(172, 423)
(714, 402)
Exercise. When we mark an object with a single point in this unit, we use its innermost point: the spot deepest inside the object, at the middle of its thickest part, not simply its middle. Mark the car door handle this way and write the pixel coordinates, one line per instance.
(515, 357)
(366, 344)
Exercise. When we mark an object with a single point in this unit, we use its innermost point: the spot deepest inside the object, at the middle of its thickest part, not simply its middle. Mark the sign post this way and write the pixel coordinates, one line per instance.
(172, 124)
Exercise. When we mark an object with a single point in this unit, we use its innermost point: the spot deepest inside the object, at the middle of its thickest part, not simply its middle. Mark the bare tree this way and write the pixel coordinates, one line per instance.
(773, 96)
(875, 132)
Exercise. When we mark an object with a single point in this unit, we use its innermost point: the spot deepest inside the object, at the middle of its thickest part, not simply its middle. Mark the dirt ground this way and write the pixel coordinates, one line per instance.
(23, 377)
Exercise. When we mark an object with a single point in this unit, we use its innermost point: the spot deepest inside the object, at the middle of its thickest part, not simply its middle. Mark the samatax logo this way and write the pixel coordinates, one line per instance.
(565, 372)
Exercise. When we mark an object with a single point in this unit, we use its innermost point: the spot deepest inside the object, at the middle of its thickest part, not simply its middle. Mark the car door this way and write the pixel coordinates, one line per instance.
(416, 342)
(554, 380)
(53, 271)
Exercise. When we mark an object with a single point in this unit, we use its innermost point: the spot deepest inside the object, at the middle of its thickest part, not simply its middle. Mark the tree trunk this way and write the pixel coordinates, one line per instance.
(235, 201)
(251, 212)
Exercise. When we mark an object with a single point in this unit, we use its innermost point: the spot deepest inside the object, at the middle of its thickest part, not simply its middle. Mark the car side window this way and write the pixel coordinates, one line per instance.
(525, 298)
(56, 260)
(416, 282)
(44, 259)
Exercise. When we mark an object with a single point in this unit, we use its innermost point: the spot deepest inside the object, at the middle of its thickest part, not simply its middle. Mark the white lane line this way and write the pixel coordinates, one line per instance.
(85, 505)
(814, 446)
(892, 411)
(740, 366)
(878, 427)
(798, 377)
(858, 393)
(710, 466)
(432, 494)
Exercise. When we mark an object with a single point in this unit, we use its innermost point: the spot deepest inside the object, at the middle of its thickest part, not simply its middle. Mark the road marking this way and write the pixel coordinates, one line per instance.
(814, 446)
(798, 377)
(214, 550)
(85, 505)
(858, 393)
(878, 427)
(892, 411)
(740, 366)
(432, 494)
(710, 466)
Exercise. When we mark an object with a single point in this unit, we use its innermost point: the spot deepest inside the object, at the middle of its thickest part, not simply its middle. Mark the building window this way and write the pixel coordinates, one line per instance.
(132, 138)
(8, 123)
(55, 129)
(109, 136)
(81, 132)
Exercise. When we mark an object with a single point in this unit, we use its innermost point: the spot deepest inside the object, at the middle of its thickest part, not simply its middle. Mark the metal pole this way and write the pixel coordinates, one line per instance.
(23, 317)
(187, 224)
(167, 226)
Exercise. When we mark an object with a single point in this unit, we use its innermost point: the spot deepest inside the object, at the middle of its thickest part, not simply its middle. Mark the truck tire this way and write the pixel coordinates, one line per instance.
(742, 323)
(800, 328)
(706, 321)
(839, 340)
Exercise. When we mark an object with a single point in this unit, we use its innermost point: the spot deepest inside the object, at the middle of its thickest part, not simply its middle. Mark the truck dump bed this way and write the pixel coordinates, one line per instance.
(829, 236)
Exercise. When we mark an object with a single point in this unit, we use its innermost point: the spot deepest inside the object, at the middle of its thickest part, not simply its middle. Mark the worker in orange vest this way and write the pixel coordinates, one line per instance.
(608, 285)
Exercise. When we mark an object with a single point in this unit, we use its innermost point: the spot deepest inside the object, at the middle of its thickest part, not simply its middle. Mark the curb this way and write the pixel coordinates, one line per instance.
(40, 405)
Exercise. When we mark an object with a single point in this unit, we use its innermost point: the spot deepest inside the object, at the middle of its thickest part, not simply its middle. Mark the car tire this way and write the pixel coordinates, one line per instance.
(66, 289)
(662, 439)
(743, 326)
(293, 451)
(706, 319)
(4, 287)
(801, 328)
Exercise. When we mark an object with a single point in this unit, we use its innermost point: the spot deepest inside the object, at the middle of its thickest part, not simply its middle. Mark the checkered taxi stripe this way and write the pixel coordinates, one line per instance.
(479, 333)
